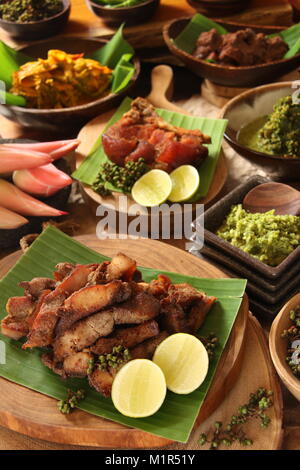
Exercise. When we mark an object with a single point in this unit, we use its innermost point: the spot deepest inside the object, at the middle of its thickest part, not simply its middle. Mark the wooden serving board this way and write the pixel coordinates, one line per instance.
(36, 415)
(162, 81)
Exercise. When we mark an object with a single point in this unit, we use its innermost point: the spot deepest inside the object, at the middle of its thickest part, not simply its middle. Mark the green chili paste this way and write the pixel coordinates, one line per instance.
(276, 134)
(266, 236)
(25, 11)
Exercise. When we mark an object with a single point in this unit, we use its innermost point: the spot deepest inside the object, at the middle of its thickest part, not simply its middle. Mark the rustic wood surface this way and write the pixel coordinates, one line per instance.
(36, 415)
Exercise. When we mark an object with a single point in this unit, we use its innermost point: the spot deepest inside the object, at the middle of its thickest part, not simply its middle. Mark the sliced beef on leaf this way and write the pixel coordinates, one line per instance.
(142, 133)
(37, 285)
(42, 332)
(146, 349)
(77, 365)
(91, 299)
(15, 324)
(141, 307)
(83, 334)
(126, 337)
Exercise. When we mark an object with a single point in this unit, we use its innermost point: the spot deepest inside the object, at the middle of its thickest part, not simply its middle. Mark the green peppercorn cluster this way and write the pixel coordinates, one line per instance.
(118, 356)
(122, 178)
(71, 402)
(226, 435)
(293, 334)
(210, 343)
(25, 11)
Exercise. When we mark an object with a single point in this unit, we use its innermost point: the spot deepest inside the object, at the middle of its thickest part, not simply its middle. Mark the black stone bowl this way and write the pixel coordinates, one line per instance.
(9, 238)
(39, 29)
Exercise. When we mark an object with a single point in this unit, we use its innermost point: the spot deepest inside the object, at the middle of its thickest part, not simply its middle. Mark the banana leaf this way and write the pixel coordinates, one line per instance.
(116, 54)
(89, 169)
(186, 40)
(176, 417)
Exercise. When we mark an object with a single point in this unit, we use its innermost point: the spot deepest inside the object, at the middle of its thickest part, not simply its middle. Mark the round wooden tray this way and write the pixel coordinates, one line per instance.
(36, 415)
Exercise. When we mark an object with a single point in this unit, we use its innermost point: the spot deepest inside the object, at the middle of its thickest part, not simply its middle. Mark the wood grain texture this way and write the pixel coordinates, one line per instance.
(36, 415)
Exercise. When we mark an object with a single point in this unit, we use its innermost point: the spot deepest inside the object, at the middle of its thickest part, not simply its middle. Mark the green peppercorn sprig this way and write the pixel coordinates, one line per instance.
(292, 334)
(226, 435)
(123, 178)
(71, 402)
(210, 342)
(118, 356)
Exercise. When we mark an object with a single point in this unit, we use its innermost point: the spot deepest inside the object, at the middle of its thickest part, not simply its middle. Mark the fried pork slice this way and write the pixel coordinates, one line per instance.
(82, 334)
(126, 337)
(121, 267)
(173, 318)
(62, 270)
(42, 332)
(102, 381)
(159, 287)
(198, 312)
(15, 324)
(57, 368)
(37, 285)
(146, 349)
(138, 309)
(91, 299)
(77, 365)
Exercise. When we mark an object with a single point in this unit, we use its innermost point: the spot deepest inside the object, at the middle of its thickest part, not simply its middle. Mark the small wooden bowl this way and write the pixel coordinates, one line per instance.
(248, 106)
(228, 75)
(215, 8)
(39, 29)
(130, 15)
(66, 121)
(278, 347)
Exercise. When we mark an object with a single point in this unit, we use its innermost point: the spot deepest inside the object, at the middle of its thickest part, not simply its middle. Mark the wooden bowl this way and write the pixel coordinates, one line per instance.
(66, 121)
(130, 15)
(215, 8)
(295, 4)
(278, 347)
(248, 106)
(39, 29)
(228, 75)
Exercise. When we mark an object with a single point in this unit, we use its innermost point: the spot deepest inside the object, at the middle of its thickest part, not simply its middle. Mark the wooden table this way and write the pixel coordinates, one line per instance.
(83, 22)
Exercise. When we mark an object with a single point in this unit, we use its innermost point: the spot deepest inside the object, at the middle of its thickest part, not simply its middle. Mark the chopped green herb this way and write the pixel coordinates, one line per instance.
(25, 11)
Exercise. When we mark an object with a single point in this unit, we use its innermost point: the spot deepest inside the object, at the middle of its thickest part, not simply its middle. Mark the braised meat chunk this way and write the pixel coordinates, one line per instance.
(142, 133)
(240, 48)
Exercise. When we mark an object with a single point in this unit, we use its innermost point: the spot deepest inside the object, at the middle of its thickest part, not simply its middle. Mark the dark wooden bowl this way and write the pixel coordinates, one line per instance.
(295, 4)
(66, 121)
(215, 8)
(245, 108)
(9, 238)
(39, 29)
(130, 15)
(227, 75)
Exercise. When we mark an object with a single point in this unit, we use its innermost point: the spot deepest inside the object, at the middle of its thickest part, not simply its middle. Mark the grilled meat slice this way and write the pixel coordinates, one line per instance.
(102, 381)
(77, 364)
(120, 267)
(15, 324)
(90, 300)
(138, 309)
(82, 334)
(126, 337)
(37, 285)
(146, 349)
(198, 312)
(172, 318)
(62, 270)
(159, 287)
(42, 332)
(56, 367)
(142, 133)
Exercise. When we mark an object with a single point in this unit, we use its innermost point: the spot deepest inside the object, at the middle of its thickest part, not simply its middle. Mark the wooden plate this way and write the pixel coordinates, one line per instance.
(36, 415)
(161, 80)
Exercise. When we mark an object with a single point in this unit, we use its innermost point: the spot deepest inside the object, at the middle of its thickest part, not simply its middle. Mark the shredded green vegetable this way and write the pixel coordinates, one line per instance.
(119, 3)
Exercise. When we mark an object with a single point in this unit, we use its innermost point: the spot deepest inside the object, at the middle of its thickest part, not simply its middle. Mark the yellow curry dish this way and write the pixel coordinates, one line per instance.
(61, 81)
